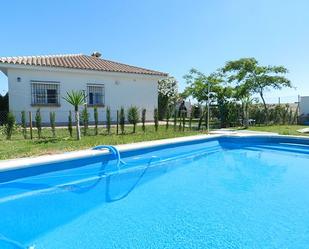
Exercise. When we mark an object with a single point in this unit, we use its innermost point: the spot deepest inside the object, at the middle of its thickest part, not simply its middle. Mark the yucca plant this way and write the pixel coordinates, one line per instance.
(108, 120)
(38, 122)
(96, 120)
(76, 98)
(122, 120)
(70, 126)
(143, 120)
(52, 119)
(156, 118)
(133, 116)
(24, 124)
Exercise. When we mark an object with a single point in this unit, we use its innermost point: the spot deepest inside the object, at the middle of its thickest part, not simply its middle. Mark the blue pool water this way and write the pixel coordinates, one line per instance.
(220, 193)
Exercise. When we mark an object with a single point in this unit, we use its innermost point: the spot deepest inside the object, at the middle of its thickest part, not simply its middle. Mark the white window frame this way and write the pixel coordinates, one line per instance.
(92, 87)
(41, 99)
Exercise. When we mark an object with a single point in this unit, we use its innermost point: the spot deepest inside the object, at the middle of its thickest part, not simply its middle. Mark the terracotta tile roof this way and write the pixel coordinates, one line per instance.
(78, 61)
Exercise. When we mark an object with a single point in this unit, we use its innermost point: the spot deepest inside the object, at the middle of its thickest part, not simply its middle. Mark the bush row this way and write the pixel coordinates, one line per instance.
(132, 116)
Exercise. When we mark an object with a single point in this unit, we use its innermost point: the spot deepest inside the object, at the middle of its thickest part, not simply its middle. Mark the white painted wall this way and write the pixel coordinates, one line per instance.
(304, 105)
(132, 89)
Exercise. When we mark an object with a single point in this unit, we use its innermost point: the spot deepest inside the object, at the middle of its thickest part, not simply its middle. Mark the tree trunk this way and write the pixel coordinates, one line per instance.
(245, 114)
(77, 125)
(265, 107)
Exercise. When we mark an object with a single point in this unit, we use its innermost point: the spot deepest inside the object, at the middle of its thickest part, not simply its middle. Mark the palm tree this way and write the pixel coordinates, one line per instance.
(76, 98)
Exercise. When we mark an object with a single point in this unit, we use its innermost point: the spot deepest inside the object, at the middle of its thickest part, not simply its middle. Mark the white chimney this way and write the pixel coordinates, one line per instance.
(96, 54)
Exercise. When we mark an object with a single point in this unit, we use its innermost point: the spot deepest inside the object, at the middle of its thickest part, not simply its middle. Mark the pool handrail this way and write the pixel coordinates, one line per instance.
(113, 150)
(107, 193)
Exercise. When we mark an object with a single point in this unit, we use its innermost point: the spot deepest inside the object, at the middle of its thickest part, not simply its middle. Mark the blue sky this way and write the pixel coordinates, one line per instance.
(172, 36)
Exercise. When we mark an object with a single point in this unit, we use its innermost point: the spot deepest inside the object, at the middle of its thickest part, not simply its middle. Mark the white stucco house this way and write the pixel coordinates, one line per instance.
(42, 82)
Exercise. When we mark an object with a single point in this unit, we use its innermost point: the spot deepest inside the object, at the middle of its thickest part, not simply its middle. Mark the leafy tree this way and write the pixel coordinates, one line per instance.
(133, 116)
(76, 98)
(156, 118)
(24, 124)
(256, 79)
(96, 119)
(167, 94)
(4, 102)
(122, 120)
(52, 118)
(38, 122)
(201, 86)
(70, 126)
(108, 120)
(198, 85)
(9, 127)
(143, 120)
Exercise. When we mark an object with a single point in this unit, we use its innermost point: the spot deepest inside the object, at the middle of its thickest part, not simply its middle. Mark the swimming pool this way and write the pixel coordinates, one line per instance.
(226, 192)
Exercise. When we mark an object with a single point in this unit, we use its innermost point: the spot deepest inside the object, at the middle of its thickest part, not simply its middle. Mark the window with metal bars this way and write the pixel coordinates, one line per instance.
(95, 95)
(45, 93)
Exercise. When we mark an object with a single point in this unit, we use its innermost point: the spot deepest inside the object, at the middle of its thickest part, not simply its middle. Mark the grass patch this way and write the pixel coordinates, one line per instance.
(281, 129)
(19, 147)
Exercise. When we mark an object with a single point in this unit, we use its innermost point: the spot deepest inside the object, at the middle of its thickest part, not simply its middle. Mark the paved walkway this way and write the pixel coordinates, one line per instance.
(305, 130)
(227, 131)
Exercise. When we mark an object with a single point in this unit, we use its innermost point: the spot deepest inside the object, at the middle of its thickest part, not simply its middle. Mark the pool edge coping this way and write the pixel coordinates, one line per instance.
(19, 163)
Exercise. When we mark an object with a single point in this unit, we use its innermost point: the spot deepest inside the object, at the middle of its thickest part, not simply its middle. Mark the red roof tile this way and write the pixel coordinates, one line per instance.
(78, 61)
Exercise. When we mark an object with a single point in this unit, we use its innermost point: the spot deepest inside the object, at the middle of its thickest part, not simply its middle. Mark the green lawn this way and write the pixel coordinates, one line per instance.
(19, 147)
(281, 129)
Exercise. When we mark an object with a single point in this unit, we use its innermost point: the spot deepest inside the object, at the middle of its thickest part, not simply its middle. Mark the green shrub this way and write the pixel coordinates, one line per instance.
(202, 115)
(96, 120)
(24, 124)
(10, 126)
(183, 121)
(190, 118)
(38, 122)
(85, 120)
(70, 126)
(133, 116)
(122, 120)
(167, 117)
(156, 118)
(52, 118)
(175, 119)
(143, 120)
(108, 120)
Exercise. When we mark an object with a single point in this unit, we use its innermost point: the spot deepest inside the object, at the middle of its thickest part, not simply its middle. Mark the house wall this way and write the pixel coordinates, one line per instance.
(121, 89)
(304, 105)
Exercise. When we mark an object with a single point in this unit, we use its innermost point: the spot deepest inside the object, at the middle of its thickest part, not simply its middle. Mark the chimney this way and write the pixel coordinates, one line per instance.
(96, 54)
